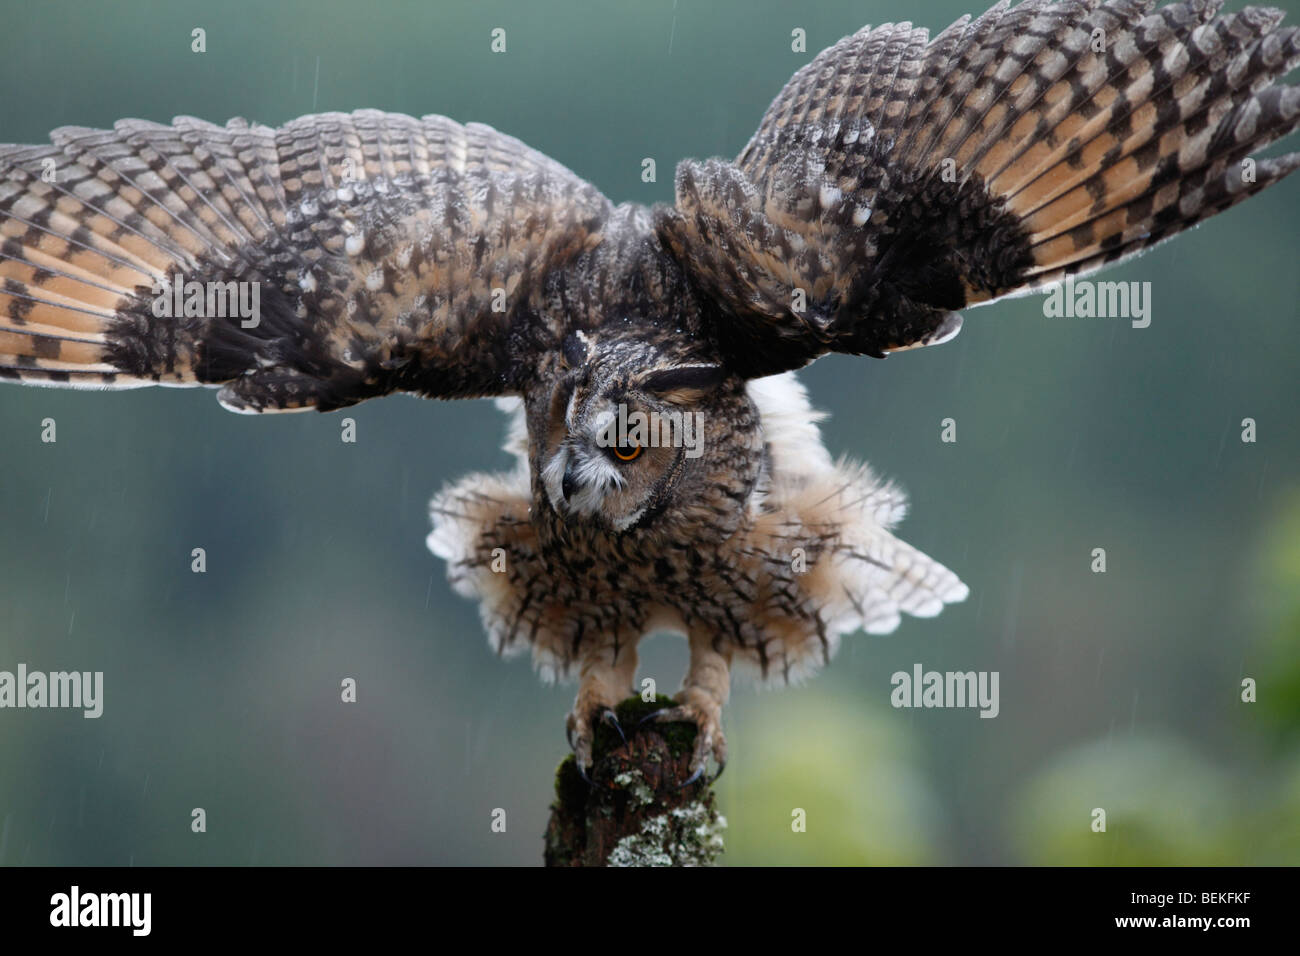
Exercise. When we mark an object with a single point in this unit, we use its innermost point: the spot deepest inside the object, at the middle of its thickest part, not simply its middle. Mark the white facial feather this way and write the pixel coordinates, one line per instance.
(593, 474)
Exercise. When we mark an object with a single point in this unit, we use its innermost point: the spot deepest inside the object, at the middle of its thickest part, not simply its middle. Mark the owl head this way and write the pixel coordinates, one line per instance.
(622, 432)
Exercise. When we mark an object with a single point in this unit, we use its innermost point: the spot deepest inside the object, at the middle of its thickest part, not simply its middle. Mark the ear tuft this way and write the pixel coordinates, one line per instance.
(683, 384)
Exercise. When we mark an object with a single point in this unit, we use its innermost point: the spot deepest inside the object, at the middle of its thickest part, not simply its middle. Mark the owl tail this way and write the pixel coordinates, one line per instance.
(1156, 136)
(94, 231)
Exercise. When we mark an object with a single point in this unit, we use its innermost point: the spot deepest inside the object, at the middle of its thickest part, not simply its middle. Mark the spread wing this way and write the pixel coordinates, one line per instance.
(897, 179)
(336, 258)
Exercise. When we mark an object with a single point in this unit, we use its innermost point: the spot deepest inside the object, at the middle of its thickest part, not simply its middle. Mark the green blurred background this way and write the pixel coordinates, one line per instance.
(1118, 690)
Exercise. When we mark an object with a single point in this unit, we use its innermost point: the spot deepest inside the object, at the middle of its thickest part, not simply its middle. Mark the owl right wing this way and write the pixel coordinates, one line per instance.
(379, 252)
(898, 178)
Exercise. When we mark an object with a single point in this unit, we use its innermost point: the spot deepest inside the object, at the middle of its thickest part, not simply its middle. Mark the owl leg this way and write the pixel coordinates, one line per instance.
(606, 678)
(703, 695)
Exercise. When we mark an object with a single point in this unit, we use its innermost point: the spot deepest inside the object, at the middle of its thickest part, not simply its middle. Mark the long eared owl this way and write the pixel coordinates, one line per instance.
(669, 474)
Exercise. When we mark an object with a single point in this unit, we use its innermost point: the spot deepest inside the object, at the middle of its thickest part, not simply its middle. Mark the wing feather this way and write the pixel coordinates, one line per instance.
(387, 252)
(897, 179)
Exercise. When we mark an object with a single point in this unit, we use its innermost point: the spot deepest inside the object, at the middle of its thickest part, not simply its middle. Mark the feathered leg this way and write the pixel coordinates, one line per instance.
(607, 673)
(703, 695)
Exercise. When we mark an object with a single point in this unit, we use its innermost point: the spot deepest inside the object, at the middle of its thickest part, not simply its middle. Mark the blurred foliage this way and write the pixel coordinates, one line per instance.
(1168, 805)
(1279, 601)
(1163, 804)
(853, 771)
(222, 689)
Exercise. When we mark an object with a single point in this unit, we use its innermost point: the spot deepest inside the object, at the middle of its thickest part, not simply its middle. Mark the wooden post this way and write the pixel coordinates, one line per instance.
(635, 812)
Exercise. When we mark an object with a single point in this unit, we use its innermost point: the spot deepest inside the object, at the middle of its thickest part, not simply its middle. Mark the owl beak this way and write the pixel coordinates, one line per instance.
(570, 482)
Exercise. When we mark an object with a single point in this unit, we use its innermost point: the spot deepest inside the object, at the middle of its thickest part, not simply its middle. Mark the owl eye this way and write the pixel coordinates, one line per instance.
(627, 452)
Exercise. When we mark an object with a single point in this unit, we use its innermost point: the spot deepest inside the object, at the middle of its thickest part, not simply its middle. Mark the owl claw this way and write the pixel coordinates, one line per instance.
(705, 713)
(611, 718)
(696, 707)
(699, 772)
(580, 731)
(653, 715)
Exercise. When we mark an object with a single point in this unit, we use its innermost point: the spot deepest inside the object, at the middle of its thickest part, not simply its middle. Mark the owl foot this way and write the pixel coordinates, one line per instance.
(581, 731)
(704, 711)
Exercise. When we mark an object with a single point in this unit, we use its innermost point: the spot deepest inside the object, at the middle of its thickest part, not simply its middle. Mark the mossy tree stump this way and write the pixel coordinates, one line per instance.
(636, 811)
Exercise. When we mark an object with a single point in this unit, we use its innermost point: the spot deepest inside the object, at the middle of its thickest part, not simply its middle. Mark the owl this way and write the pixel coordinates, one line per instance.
(668, 470)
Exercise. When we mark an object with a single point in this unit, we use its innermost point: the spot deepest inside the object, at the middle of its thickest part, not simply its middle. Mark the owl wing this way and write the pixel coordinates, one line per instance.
(897, 179)
(379, 253)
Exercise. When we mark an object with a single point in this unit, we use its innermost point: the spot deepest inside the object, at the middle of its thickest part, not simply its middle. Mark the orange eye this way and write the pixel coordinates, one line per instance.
(627, 452)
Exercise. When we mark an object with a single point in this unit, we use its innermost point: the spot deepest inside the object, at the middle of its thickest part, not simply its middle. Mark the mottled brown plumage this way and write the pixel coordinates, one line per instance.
(896, 179)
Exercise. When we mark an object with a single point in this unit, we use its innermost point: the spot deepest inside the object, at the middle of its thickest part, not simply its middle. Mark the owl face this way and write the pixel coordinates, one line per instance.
(623, 436)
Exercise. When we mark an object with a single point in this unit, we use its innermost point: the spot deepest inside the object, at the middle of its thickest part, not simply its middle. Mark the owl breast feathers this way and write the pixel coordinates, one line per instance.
(896, 179)
(814, 559)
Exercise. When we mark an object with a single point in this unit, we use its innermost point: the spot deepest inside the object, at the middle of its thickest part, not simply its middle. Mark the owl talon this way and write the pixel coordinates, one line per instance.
(699, 772)
(611, 718)
(652, 716)
(580, 731)
(705, 713)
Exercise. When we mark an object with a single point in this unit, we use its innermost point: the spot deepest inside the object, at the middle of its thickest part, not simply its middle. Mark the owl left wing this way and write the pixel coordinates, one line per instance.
(897, 179)
(339, 257)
